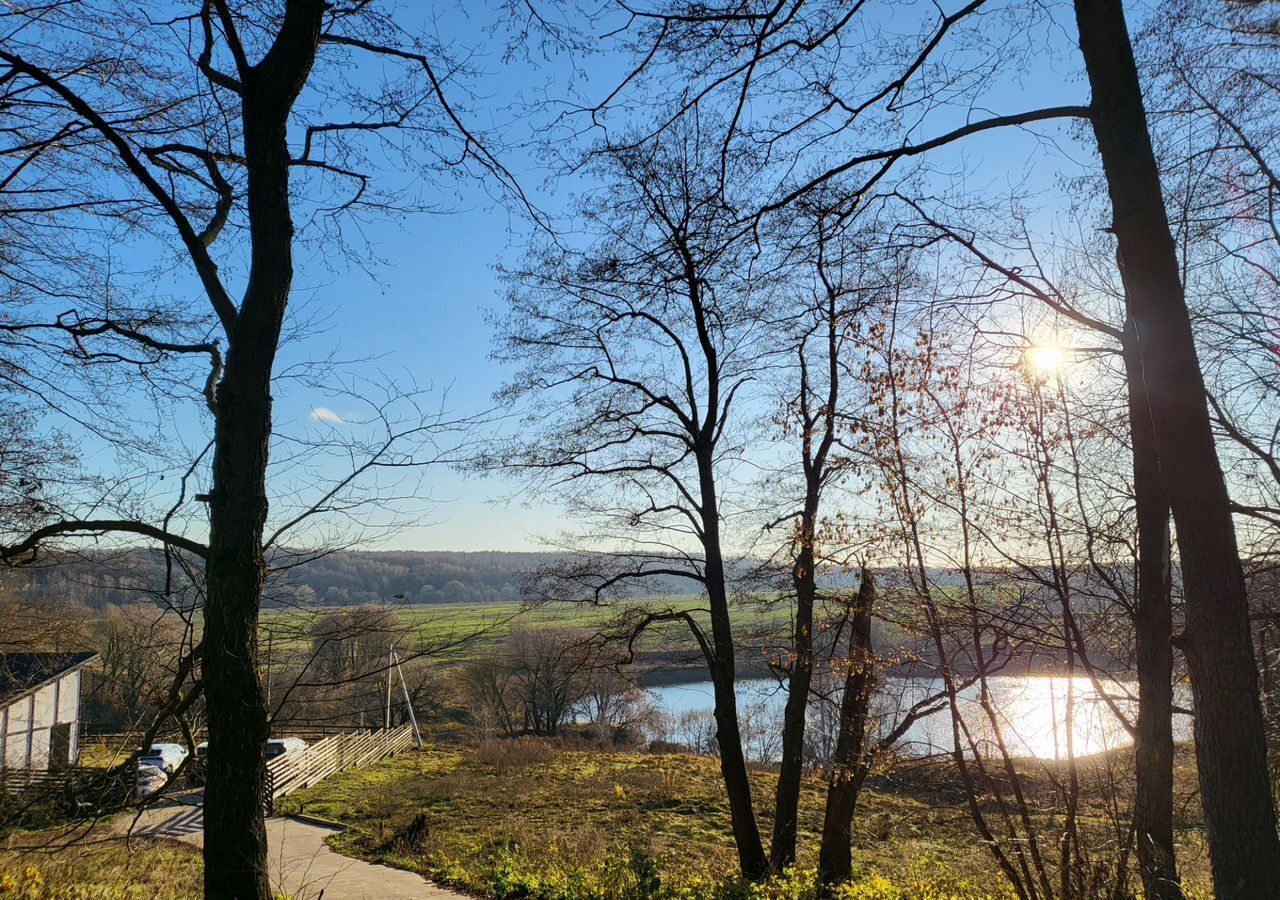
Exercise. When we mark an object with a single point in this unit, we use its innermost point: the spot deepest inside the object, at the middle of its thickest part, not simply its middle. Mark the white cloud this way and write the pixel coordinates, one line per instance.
(325, 414)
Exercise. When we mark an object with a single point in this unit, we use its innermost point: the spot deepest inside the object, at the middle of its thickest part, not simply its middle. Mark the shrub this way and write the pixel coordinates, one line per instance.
(626, 873)
(513, 754)
(629, 873)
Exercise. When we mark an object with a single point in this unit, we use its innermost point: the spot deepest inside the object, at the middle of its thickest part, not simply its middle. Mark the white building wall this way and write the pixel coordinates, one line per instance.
(17, 733)
(20, 715)
(39, 749)
(25, 723)
(46, 706)
(44, 715)
(69, 697)
(69, 709)
(15, 750)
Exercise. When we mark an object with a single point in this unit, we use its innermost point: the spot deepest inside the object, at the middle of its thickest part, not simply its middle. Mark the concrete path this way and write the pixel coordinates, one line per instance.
(302, 866)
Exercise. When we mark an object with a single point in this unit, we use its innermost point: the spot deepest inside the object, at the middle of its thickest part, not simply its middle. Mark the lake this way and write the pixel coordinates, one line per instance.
(1031, 711)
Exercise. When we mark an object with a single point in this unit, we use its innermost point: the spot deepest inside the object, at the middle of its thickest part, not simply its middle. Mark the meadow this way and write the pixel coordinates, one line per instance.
(453, 632)
(565, 819)
(456, 632)
(552, 820)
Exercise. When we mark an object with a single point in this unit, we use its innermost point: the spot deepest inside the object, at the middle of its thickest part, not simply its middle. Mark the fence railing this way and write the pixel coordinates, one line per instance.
(15, 781)
(33, 795)
(293, 771)
(85, 787)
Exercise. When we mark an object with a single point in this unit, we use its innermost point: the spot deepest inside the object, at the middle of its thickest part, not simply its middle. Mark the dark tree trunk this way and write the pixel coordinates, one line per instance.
(791, 769)
(848, 767)
(1231, 759)
(817, 436)
(235, 850)
(733, 766)
(1153, 629)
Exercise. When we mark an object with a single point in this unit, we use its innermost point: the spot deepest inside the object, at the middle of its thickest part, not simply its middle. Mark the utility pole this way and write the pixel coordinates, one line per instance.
(391, 658)
(417, 735)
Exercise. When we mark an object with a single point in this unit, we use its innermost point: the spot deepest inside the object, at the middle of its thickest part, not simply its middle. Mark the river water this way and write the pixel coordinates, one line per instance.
(1031, 714)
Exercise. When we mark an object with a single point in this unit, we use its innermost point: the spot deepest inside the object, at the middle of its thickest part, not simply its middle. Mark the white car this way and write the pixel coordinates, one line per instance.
(275, 747)
(150, 780)
(280, 746)
(163, 756)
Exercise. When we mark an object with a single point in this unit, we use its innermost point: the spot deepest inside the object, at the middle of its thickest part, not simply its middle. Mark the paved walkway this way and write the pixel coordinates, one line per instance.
(302, 866)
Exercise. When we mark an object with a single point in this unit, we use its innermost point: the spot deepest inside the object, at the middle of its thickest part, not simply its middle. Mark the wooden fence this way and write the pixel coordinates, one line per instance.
(299, 769)
(17, 781)
(71, 793)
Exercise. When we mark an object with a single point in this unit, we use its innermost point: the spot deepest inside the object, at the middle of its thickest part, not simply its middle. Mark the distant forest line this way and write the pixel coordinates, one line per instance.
(341, 578)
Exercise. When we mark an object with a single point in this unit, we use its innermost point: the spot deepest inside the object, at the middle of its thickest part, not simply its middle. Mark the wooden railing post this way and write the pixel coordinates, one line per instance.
(287, 773)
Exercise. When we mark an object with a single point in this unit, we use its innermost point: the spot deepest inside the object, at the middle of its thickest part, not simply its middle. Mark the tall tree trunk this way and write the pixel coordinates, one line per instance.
(1235, 787)
(1153, 629)
(817, 437)
(722, 664)
(848, 767)
(235, 849)
(787, 795)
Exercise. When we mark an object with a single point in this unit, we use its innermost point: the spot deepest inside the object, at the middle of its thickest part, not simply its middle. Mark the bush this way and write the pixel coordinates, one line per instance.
(72, 796)
(507, 755)
(629, 873)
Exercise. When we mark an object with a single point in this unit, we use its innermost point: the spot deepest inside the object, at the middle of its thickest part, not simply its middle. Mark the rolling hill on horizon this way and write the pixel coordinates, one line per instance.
(341, 578)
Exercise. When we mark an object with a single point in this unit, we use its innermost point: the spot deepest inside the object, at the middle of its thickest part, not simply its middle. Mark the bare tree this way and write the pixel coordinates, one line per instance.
(849, 761)
(734, 51)
(841, 276)
(1149, 604)
(200, 138)
(1230, 740)
(635, 351)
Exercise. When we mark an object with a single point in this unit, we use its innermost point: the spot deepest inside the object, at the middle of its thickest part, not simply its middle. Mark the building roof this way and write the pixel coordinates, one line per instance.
(22, 673)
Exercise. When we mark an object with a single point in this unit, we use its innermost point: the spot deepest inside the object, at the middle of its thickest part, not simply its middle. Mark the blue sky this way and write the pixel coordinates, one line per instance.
(425, 314)
(422, 313)
(424, 319)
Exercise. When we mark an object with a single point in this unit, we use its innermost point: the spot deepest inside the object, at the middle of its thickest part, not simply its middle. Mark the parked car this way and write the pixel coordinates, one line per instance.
(163, 756)
(150, 780)
(280, 746)
(275, 747)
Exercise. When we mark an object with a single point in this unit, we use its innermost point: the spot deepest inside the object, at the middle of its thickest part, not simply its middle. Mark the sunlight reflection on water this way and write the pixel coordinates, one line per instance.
(1030, 713)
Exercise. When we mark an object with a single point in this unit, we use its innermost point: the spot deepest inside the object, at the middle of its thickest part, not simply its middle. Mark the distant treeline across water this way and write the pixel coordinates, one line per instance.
(342, 578)
(354, 577)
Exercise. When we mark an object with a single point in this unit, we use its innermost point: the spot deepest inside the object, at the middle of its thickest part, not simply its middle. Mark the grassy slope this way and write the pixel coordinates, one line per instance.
(98, 869)
(451, 632)
(554, 811)
(466, 630)
(550, 811)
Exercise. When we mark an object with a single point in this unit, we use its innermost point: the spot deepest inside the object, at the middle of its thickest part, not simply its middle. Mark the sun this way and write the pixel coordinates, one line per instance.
(1044, 359)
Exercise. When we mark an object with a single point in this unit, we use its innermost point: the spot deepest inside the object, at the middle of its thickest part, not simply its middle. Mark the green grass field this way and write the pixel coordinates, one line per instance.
(531, 819)
(463, 630)
(553, 821)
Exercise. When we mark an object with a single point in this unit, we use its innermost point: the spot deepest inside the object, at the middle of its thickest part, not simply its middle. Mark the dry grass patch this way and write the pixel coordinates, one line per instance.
(547, 808)
(36, 867)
